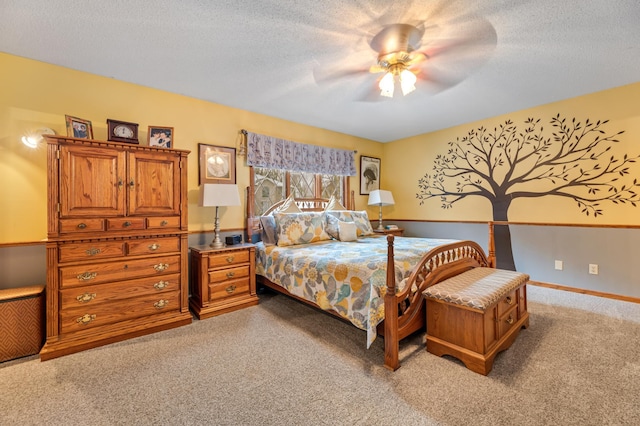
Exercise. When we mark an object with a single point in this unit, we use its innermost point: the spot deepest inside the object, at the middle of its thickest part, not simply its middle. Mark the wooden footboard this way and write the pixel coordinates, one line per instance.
(405, 310)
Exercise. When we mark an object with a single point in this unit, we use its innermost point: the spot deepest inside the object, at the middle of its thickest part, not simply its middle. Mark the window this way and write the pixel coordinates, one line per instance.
(272, 185)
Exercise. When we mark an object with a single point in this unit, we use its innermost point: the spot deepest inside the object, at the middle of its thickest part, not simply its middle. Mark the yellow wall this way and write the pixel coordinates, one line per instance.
(34, 94)
(413, 157)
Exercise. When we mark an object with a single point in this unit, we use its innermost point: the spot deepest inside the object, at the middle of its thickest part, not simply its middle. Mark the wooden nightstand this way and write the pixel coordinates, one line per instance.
(397, 232)
(222, 280)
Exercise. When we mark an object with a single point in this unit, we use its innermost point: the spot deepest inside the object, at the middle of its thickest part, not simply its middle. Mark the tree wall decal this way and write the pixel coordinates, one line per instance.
(506, 163)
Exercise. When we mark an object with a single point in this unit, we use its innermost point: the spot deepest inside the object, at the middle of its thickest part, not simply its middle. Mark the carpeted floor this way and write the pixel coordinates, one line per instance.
(282, 363)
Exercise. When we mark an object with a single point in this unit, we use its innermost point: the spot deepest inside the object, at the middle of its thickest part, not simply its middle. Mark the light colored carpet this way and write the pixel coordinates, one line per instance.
(282, 363)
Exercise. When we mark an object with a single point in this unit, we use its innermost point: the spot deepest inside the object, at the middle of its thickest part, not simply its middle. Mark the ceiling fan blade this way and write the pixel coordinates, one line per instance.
(322, 76)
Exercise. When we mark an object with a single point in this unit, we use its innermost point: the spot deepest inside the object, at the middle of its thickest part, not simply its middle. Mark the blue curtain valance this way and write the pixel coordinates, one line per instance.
(273, 153)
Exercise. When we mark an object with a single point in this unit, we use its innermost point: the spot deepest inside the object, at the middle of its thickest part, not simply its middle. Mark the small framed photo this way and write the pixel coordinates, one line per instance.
(78, 128)
(161, 136)
(217, 164)
(369, 174)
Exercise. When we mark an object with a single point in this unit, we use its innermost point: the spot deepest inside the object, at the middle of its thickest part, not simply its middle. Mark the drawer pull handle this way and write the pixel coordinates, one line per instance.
(120, 182)
(230, 259)
(161, 304)
(82, 225)
(86, 319)
(230, 289)
(164, 223)
(86, 297)
(160, 267)
(154, 247)
(92, 251)
(161, 285)
(508, 300)
(509, 320)
(126, 224)
(131, 184)
(230, 274)
(86, 276)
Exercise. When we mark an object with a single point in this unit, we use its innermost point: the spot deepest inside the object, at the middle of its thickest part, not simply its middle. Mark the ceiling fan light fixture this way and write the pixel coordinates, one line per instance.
(407, 81)
(387, 85)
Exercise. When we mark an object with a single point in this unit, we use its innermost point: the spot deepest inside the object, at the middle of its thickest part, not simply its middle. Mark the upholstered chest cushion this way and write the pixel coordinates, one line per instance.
(477, 288)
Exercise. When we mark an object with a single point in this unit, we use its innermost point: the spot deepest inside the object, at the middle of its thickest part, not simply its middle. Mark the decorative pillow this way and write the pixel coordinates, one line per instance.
(333, 226)
(334, 204)
(289, 206)
(359, 218)
(268, 224)
(348, 231)
(300, 228)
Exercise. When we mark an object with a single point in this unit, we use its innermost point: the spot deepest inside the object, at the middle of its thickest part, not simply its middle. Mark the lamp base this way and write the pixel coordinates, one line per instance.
(217, 243)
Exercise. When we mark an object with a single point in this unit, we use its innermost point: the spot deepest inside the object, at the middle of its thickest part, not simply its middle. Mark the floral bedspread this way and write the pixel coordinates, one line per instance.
(348, 277)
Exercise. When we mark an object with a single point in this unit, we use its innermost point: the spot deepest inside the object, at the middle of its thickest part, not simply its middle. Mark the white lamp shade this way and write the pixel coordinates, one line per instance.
(380, 197)
(218, 195)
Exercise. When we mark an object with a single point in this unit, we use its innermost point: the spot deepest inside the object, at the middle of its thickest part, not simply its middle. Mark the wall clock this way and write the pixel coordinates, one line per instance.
(122, 131)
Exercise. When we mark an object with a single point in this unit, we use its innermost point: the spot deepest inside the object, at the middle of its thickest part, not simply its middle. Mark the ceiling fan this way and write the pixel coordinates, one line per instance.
(397, 57)
(439, 56)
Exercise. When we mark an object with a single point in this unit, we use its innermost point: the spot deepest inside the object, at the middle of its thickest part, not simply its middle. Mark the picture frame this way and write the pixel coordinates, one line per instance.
(217, 164)
(160, 136)
(78, 128)
(369, 174)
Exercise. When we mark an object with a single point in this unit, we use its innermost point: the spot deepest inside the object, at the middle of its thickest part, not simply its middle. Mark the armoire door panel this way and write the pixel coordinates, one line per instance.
(154, 184)
(91, 181)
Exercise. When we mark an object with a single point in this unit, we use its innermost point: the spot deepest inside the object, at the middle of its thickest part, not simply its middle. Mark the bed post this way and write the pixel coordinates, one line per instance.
(492, 246)
(391, 340)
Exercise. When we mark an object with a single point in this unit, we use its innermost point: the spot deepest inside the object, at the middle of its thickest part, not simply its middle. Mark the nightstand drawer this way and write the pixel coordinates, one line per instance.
(227, 274)
(228, 258)
(228, 289)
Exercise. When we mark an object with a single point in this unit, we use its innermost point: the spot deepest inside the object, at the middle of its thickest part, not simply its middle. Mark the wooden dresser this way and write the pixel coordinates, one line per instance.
(117, 243)
(222, 280)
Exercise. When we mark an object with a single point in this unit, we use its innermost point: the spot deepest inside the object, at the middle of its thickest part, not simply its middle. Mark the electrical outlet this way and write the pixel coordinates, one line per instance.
(593, 269)
(559, 265)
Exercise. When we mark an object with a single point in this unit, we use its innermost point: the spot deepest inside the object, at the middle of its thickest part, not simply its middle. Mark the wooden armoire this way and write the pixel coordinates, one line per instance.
(117, 243)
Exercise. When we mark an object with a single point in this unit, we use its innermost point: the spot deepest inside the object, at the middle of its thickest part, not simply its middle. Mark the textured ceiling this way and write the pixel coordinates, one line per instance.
(281, 57)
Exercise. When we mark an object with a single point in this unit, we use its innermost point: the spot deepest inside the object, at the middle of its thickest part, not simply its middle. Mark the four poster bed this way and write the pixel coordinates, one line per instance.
(374, 281)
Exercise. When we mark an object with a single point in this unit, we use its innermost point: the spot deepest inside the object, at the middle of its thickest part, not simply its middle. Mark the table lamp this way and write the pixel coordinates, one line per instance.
(380, 198)
(219, 195)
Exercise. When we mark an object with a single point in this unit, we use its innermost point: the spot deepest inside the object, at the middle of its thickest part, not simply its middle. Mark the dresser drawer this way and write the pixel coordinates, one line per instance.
(90, 295)
(125, 223)
(507, 302)
(228, 274)
(80, 275)
(91, 251)
(228, 258)
(228, 289)
(153, 245)
(163, 222)
(73, 226)
(99, 314)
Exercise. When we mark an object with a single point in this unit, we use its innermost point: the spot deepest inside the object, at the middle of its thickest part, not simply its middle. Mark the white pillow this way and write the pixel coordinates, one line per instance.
(347, 231)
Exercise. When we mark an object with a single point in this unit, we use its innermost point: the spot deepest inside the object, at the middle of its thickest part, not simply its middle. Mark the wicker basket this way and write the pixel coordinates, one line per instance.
(21, 321)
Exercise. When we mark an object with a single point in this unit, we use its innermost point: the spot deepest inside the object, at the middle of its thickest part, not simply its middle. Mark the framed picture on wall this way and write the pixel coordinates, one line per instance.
(369, 174)
(78, 127)
(160, 136)
(217, 164)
